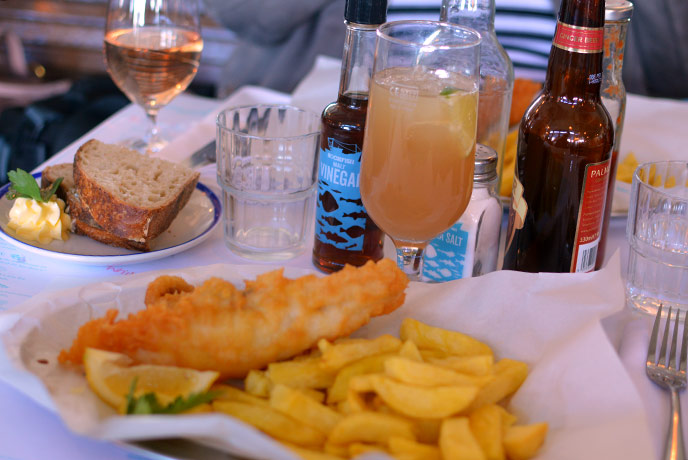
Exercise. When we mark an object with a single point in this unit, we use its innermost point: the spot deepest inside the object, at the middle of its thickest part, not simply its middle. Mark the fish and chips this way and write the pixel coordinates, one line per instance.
(429, 393)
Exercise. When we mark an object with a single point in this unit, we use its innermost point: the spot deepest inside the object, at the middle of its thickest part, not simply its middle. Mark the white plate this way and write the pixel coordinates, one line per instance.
(191, 226)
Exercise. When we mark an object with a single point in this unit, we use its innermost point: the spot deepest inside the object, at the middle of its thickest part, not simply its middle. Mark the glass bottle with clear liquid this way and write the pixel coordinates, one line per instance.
(496, 72)
(617, 15)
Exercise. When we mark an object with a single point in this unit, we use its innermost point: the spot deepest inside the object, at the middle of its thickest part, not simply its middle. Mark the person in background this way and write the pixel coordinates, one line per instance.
(656, 60)
(278, 40)
(525, 29)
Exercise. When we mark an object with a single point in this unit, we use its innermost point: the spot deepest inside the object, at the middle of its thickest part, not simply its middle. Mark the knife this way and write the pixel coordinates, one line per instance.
(201, 157)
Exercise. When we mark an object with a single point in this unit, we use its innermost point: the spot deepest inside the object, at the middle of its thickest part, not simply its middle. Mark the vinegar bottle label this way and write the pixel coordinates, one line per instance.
(590, 214)
(340, 215)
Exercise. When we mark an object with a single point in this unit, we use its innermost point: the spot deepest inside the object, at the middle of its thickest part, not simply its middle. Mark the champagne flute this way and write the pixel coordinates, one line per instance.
(152, 51)
(419, 143)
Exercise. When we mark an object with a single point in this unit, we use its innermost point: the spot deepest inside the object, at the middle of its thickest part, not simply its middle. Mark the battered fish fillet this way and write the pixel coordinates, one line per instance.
(216, 326)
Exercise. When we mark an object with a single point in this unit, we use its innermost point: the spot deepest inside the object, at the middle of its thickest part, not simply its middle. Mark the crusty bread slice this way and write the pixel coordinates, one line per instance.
(85, 225)
(82, 222)
(51, 173)
(129, 194)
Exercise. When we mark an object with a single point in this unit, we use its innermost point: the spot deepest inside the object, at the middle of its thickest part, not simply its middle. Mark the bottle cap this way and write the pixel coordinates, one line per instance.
(365, 11)
(618, 10)
(485, 164)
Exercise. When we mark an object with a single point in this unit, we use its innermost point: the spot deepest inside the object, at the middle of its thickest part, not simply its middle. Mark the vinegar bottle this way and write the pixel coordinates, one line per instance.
(496, 72)
(563, 156)
(344, 234)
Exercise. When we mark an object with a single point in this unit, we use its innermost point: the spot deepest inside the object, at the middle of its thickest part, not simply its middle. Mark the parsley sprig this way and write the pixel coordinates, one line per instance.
(148, 403)
(23, 185)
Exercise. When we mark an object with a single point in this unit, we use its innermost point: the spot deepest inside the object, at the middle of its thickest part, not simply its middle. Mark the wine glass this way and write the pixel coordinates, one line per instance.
(419, 142)
(152, 51)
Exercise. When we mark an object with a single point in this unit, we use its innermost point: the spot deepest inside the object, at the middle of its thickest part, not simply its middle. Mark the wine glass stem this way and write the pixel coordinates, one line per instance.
(153, 134)
(410, 260)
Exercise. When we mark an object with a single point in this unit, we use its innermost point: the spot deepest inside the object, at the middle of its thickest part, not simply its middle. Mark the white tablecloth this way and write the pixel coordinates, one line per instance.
(27, 431)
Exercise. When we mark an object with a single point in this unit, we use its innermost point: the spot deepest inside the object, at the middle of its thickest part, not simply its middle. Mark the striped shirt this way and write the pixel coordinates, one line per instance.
(525, 29)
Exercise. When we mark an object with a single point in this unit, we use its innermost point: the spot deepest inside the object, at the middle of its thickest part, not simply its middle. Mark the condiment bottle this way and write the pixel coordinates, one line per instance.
(344, 234)
(617, 15)
(496, 72)
(564, 152)
(470, 247)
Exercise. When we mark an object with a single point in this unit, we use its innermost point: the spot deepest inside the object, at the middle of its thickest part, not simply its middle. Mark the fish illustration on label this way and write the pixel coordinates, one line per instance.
(445, 256)
(340, 215)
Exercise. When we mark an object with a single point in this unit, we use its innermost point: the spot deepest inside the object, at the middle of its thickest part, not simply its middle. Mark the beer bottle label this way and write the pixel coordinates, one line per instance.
(445, 258)
(590, 216)
(579, 39)
(340, 215)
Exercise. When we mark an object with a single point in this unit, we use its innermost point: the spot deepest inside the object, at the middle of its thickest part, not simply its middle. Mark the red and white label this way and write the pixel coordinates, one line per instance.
(579, 39)
(590, 216)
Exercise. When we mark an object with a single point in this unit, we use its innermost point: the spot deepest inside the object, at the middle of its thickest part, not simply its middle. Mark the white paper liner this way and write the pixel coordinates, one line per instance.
(577, 383)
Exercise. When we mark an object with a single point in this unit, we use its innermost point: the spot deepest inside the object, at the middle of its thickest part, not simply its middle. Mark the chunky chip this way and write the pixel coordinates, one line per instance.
(424, 374)
(436, 338)
(272, 422)
(335, 356)
(372, 428)
(423, 402)
(435, 395)
(303, 408)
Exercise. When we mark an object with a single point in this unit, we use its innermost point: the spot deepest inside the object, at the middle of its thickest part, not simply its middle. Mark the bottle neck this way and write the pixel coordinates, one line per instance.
(477, 14)
(574, 70)
(357, 61)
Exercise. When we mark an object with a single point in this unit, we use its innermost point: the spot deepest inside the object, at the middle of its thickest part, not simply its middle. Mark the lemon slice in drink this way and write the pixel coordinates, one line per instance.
(110, 375)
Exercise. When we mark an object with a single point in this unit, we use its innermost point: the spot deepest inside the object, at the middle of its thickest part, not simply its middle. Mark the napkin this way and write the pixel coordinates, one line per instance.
(203, 131)
(633, 353)
(551, 321)
(314, 92)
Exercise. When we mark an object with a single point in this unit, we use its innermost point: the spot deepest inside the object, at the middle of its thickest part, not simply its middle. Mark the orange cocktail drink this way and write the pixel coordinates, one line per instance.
(418, 152)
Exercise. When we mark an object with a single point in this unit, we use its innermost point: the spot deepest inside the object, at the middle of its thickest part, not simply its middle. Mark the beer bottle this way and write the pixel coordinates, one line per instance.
(563, 155)
(344, 234)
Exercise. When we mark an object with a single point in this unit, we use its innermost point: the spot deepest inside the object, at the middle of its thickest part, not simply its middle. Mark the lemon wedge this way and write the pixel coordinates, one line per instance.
(110, 375)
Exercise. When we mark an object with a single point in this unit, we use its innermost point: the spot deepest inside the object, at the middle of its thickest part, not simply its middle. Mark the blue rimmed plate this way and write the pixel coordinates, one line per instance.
(192, 225)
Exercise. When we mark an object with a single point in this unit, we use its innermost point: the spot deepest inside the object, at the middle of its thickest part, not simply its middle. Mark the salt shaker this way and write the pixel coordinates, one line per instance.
(470, 246)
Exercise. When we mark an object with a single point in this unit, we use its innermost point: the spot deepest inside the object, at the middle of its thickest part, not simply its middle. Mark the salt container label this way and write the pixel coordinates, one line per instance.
(340, 215)
(590, 216)
(445, 256)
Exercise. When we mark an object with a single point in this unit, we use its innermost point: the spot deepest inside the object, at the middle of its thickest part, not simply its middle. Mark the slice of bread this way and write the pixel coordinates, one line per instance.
(82, 222)
(131, 195)
(51, 173)
(85, 225)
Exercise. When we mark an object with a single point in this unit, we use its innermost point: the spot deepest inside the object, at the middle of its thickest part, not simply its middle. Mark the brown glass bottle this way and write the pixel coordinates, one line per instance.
(345, 120)
(563, 155)
(344, 234)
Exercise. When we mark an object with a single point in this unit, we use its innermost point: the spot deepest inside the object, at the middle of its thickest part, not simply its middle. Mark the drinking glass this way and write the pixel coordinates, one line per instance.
(267, 166)
(657, 232)
(152, 51)
(419, 143)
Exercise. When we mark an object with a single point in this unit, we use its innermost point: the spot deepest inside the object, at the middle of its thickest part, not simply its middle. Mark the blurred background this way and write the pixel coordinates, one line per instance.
(54, 86)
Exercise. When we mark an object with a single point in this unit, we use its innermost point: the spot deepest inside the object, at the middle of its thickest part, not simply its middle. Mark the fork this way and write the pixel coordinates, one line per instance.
(663, 370)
